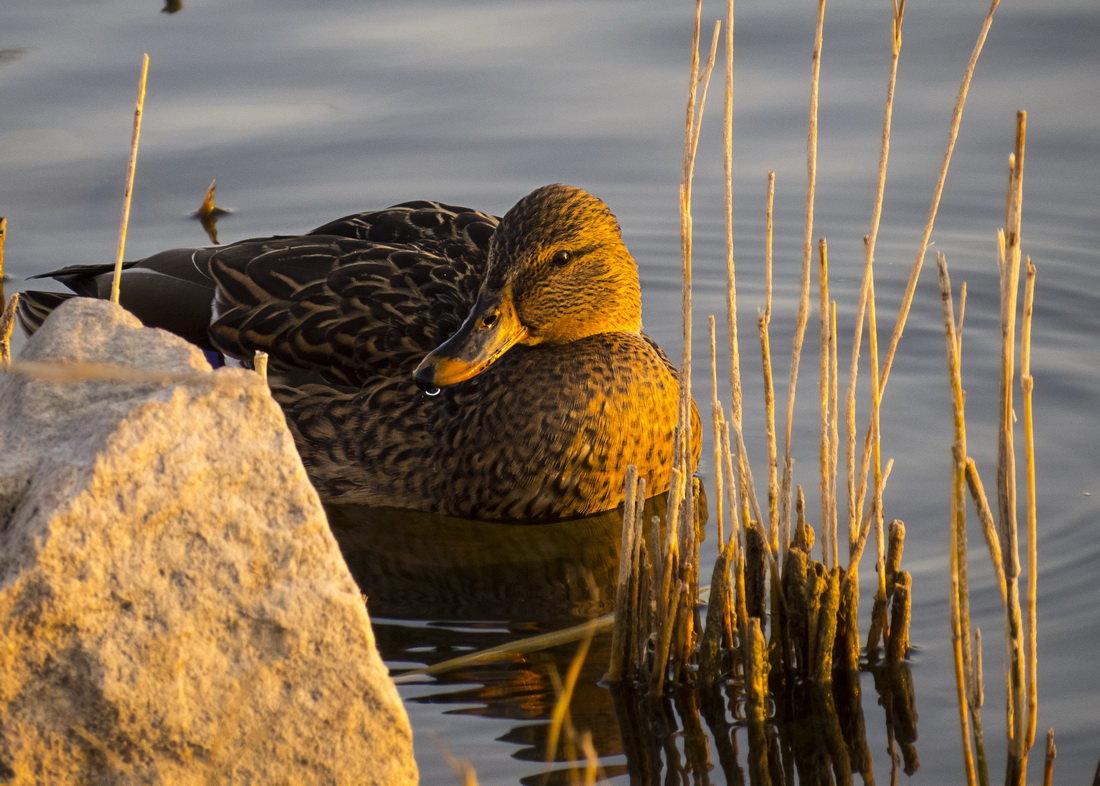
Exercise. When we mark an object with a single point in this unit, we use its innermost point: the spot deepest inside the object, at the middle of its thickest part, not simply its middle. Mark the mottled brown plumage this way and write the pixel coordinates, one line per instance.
(534, 386)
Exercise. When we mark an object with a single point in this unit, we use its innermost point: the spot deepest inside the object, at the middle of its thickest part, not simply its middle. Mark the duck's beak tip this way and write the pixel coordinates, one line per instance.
(437, 371)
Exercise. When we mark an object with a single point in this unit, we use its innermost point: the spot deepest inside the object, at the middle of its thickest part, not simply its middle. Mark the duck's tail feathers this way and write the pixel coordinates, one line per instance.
(84, 279)
(35, 306)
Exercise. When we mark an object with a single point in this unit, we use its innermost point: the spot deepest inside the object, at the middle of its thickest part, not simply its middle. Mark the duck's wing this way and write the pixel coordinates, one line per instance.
(365, 296)
(453, 230)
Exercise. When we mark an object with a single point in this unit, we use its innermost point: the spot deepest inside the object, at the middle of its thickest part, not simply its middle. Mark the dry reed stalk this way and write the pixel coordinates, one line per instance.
(727, 190)
(259, 363)
(7, 325)
(687, 173)
(895, 551)
(926, 236)
(520, 647)
(959, 593)
(1027, 384)
(84, 372)
(626, 586)
(834, 433)
(1048, 761)
(1020, 691)
(764, 328)
(976, 697)
(3, 237)
(897, 640)
(739, 607)
(871, 458)
(865, 525)
(865, 308)
(807, 254)
(871, 444)
(678, 584)
(716, 419)
(989, 526)
(824, 448)
(128, 193)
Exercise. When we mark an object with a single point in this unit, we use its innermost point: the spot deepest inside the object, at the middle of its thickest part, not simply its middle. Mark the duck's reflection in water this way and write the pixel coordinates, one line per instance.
(440, 587)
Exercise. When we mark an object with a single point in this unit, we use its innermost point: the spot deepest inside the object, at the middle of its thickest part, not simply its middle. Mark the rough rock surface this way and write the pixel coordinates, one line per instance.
(173, 607)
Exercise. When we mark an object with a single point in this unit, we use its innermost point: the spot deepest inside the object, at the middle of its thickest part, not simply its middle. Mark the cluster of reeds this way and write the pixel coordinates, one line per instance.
(778, 618)
(1000, 528)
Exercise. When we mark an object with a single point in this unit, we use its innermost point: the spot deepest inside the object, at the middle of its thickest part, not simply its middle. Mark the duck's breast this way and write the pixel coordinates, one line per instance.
(548, 431)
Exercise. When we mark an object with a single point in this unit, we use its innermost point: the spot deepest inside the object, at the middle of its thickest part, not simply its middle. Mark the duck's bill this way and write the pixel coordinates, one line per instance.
(491, 329)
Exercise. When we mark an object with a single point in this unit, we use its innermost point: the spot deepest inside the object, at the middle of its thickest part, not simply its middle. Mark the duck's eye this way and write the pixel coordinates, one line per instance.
(561, 258)
(488, 320)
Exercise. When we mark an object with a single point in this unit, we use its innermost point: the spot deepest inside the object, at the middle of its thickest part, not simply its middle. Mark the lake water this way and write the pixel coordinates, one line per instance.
(308, 111)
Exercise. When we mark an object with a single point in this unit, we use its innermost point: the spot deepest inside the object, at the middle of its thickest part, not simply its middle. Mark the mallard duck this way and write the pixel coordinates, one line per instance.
(435, 357)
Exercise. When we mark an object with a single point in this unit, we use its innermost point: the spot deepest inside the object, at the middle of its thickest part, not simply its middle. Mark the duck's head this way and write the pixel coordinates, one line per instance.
(557, 272)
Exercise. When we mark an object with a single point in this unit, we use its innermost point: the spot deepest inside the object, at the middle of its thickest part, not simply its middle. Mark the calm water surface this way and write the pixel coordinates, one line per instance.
(307, 111)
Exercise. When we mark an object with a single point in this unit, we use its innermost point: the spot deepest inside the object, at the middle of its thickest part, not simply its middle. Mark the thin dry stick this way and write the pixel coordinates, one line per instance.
(1051, 754)
(692, 126)
(878, 488)
(731, 273)
(952, 135)
(1027, 384)
(57, 372)
(867, 286)
(3, 236)
(865, 525)
(1016, 671)
(989, 526)
(959, 595)
(259, 362)
(807, 254)
(764, 326)
(834, 438)
(127, 195)
(682, 546)
(716, 417)
(824, 448)
(620, 631)
(976, 699)
(850, 431)
(535, 643)
(7, 324)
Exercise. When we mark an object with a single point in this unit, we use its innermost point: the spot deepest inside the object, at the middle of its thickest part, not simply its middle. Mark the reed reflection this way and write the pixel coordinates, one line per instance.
(440, 587)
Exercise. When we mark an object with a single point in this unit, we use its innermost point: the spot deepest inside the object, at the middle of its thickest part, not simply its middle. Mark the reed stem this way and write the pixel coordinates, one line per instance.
(128, 193)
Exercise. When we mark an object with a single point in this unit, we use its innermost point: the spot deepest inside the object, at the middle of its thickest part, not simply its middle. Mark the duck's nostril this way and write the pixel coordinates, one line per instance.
(489, 320)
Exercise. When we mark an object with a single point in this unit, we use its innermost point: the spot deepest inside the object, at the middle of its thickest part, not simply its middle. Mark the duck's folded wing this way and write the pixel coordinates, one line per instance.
(347, 309)
(448, 230)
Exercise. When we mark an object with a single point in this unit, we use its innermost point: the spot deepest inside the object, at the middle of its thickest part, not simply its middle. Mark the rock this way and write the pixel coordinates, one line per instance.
(173, 606)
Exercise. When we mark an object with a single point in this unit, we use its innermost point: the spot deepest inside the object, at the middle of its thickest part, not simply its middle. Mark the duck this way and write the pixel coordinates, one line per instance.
(434, 357)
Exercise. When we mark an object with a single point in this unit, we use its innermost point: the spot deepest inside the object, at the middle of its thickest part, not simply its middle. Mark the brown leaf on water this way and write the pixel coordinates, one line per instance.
(208, 212)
